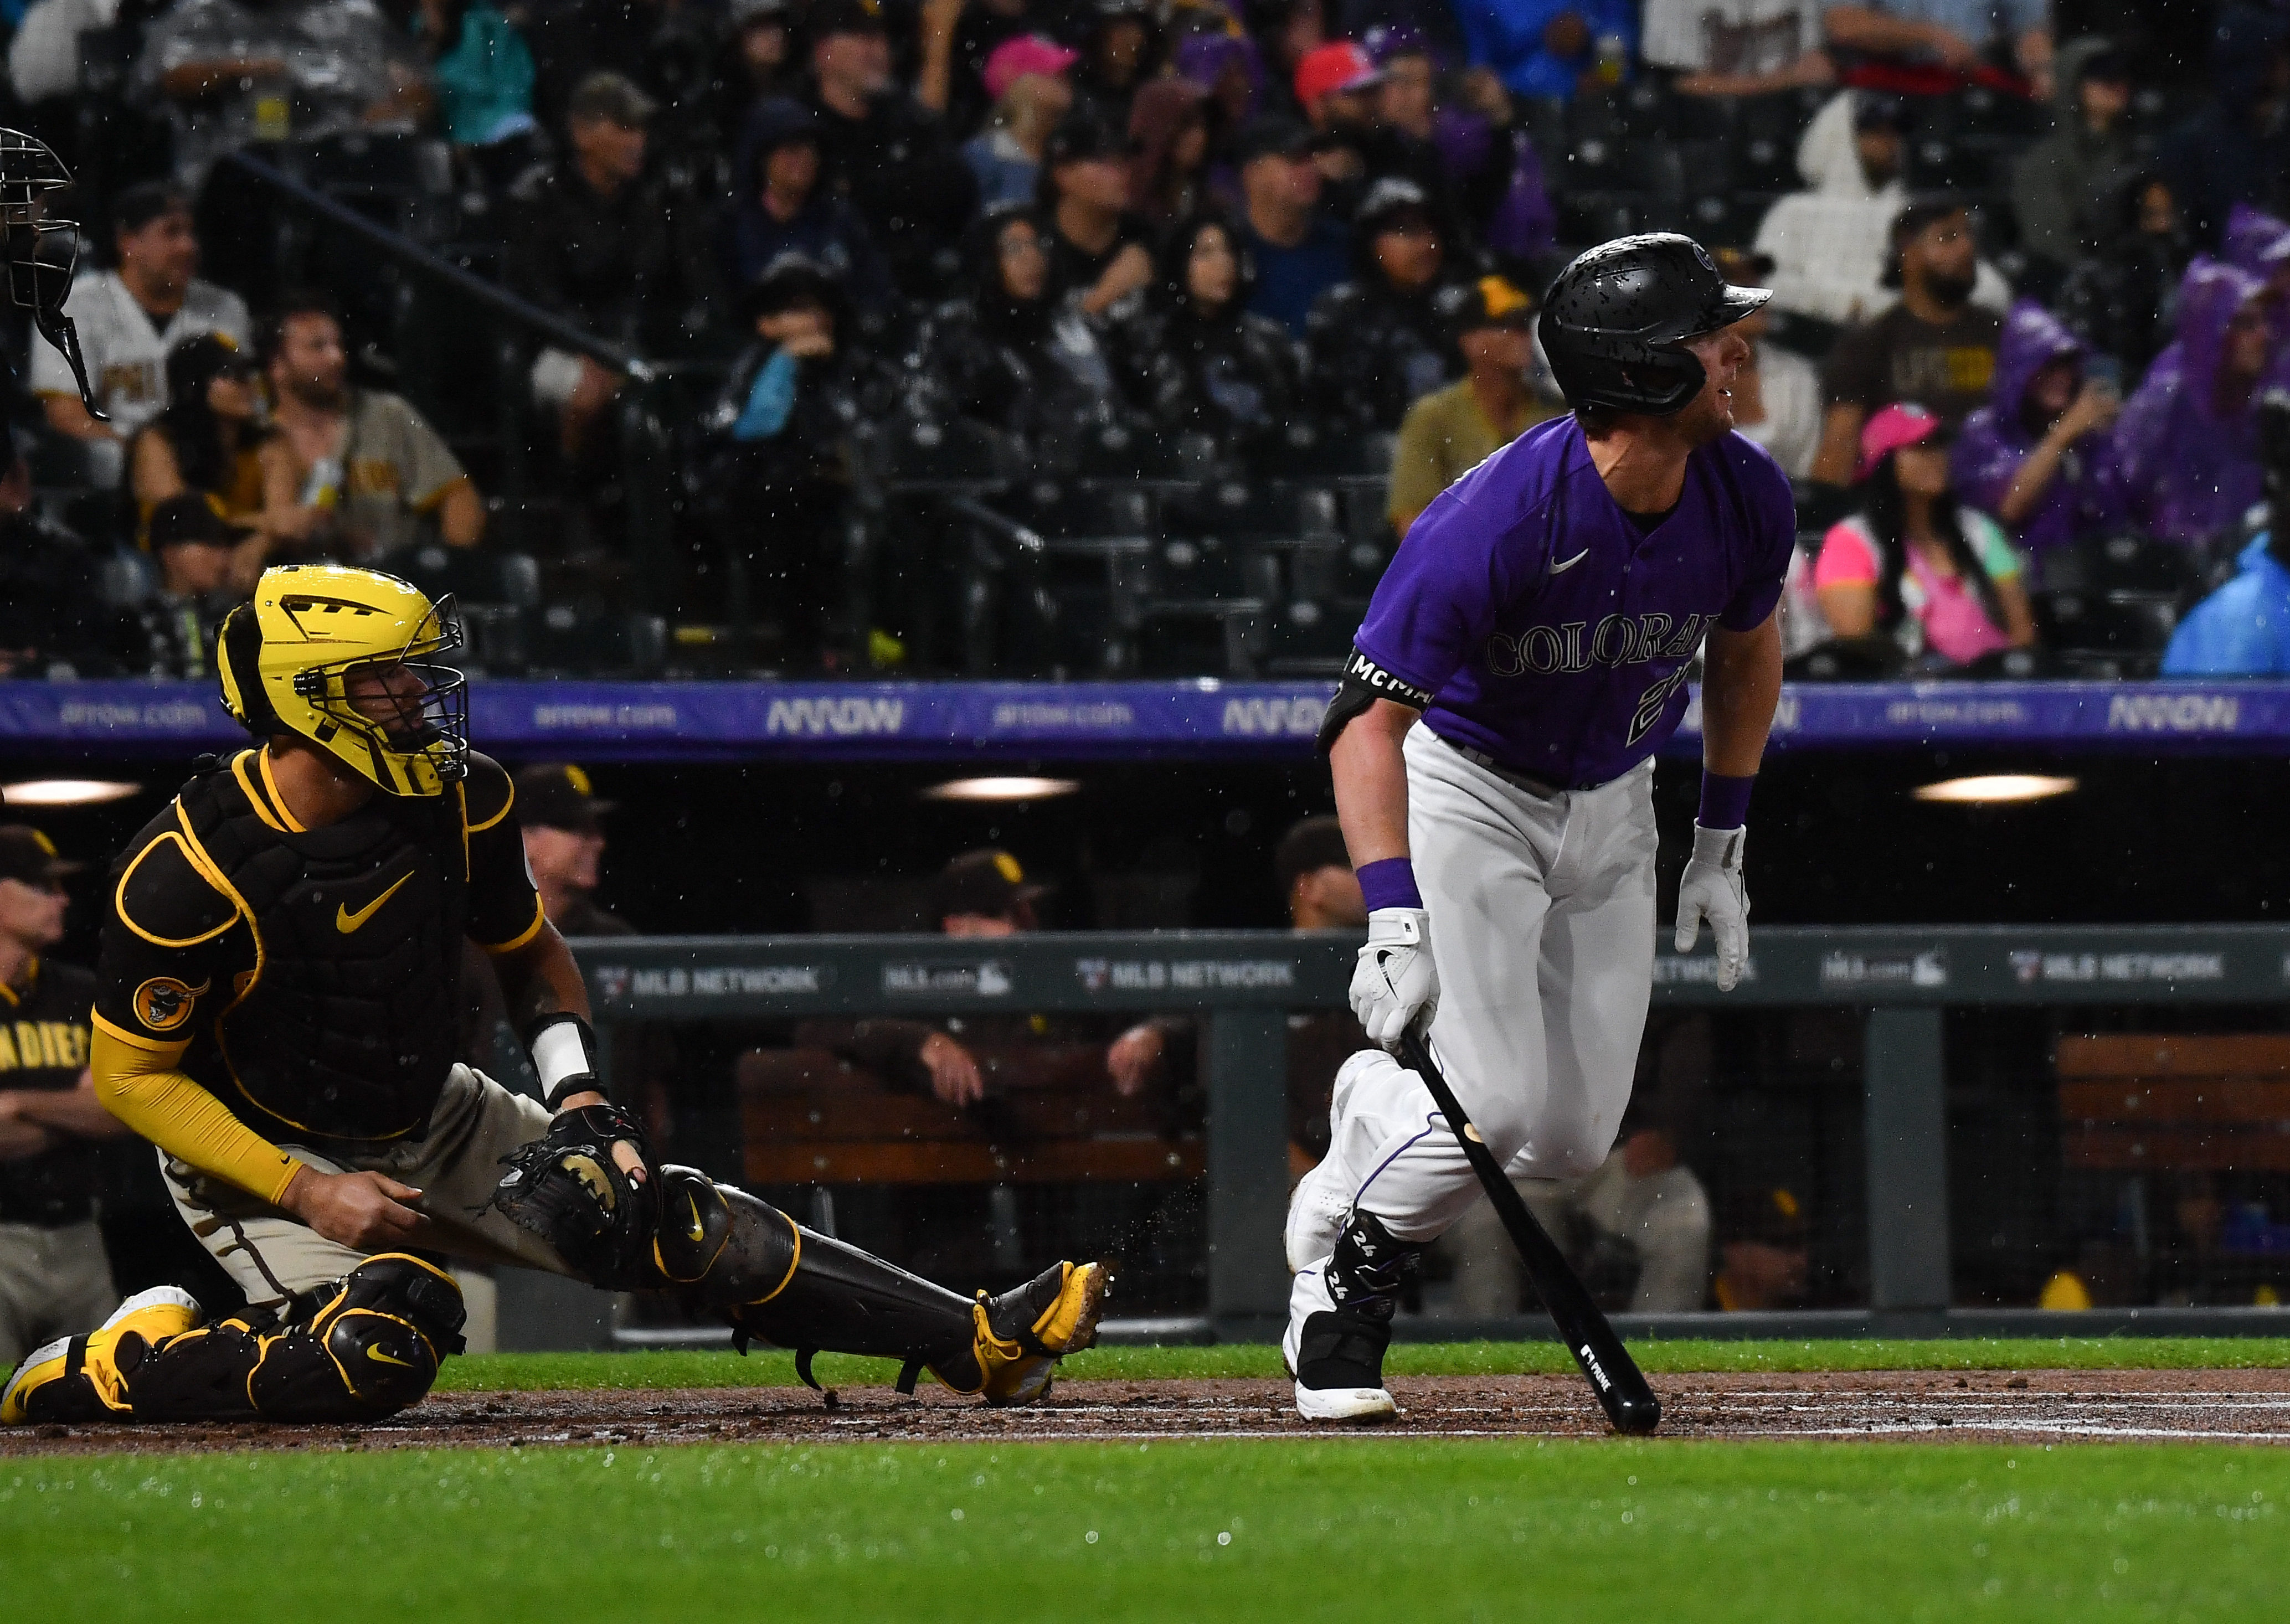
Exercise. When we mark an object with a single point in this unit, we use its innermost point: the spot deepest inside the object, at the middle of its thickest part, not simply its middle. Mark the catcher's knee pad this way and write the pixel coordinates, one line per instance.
(371, 1347)
(720, 1244)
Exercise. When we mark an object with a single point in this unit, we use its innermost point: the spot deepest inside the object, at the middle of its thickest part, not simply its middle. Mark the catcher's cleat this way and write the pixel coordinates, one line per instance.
(85, 1378)
(1023, 1334)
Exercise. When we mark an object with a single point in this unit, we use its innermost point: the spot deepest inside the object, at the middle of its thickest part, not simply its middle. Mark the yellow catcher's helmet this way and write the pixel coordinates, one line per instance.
(291, 660)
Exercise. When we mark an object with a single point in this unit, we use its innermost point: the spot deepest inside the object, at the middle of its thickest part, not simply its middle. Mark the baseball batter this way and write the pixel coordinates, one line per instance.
(1522, 660)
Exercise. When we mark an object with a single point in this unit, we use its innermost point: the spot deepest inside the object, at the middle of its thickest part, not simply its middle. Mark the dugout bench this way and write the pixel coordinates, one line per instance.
(1242, 985)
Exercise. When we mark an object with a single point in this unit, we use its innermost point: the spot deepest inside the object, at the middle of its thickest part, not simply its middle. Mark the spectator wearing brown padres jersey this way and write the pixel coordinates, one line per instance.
(363, 476)
(1936, 348)
(54, 1278)
(563, 822)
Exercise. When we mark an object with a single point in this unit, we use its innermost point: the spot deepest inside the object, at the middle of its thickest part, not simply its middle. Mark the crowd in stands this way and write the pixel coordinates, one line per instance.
(1106, 336)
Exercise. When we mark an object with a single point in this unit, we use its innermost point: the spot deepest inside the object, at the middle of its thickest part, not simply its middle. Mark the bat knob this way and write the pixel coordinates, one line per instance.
(1636, 1417)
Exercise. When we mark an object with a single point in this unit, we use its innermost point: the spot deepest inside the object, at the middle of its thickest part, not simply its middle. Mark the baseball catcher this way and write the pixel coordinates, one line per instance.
(276, 1010)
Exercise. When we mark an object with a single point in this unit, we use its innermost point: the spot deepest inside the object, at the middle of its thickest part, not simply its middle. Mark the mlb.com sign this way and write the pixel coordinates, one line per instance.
(2174, 713)
(837, 718)
(1285, 717)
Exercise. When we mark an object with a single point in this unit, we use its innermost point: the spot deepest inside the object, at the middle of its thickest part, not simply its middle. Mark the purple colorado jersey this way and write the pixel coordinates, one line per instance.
(1552, 635)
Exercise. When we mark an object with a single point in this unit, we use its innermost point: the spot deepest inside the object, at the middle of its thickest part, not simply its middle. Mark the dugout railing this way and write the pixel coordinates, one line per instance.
(1900, 983)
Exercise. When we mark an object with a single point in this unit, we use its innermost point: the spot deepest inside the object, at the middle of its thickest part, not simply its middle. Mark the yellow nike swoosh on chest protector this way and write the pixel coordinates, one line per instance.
(345, 921)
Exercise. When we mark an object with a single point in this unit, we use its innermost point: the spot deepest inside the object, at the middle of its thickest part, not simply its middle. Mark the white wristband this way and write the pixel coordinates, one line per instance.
(563, 1051)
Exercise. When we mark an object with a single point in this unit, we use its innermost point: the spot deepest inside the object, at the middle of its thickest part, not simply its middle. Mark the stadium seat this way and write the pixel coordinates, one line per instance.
(2128, 628)
(919, 455)
(1311, 637)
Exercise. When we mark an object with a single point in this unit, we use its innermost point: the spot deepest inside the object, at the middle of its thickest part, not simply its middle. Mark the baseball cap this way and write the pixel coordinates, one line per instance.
(1903, 423)
(1390, 200)
(187, 521)
(29, 856)
(791, 280)
(988, 881)
(1743, 266)
(1270, 135)
(1080, 138)
(557, 795)
(609, 98)
(1013, 59)
(1491, 301)
(1309, 845)
(1326, 69)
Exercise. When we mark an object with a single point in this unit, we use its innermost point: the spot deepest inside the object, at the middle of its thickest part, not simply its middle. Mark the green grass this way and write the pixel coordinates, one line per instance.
(526, 1372)
(1386, 1529)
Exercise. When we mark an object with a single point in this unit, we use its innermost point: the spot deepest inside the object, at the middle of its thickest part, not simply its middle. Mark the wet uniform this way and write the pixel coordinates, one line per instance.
(308, 982)
(1546, 635)
(53, 1275)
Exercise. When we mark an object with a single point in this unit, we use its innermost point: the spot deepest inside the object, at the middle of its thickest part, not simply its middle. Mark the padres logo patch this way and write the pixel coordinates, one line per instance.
(163, 1004)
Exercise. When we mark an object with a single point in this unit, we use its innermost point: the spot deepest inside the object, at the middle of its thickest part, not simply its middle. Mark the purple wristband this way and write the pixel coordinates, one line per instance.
(1390, 882)
(1725, 801)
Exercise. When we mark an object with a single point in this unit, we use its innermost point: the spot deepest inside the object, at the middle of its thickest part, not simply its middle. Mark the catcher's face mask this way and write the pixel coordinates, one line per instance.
(42, 251)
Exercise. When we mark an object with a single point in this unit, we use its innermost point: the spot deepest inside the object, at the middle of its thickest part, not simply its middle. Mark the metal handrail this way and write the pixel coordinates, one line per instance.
(415, 256)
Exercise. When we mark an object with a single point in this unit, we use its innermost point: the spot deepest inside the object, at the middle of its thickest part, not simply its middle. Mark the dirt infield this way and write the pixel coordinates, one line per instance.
(2127, 1407)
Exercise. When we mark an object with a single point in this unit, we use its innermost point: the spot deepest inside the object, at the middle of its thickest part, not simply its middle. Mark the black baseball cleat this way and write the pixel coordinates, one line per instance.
(1338, 1363)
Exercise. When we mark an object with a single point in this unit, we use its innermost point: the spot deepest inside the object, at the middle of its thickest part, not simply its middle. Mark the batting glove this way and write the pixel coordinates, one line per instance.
(1395, 986)
(1711, 889)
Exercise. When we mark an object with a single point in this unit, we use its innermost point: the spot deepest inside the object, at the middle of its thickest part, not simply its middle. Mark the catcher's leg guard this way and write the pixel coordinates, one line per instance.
(370, 1347)
(773, 1279)
(86, 1377)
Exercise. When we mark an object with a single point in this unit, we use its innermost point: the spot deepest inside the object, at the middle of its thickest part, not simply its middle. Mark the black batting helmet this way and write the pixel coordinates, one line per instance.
(1615, 321)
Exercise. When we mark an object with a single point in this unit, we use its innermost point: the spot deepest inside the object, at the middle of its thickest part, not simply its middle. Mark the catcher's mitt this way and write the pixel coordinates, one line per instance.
(566, 1188)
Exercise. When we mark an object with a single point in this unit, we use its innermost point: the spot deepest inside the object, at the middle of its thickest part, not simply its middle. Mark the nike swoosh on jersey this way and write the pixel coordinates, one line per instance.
(346, 921)
(697, 1231)
(379, 1358)
(1560, 568)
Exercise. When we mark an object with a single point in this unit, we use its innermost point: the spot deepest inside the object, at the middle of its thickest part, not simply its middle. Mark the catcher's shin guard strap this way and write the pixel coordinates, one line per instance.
(371, 1347)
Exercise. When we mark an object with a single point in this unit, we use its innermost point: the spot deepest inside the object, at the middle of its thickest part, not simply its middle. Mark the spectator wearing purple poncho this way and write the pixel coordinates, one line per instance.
(2190, 436)
(2039, 456)
(2259, 244)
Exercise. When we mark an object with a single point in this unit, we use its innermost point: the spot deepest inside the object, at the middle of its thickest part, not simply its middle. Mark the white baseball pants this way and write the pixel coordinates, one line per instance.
(1542, 919)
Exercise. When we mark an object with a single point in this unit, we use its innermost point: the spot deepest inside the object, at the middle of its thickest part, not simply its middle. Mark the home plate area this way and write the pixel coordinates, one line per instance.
(2063, 1406)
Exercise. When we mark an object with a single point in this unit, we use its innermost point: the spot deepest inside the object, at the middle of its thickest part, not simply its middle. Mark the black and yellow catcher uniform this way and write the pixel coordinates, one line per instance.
(274, 998)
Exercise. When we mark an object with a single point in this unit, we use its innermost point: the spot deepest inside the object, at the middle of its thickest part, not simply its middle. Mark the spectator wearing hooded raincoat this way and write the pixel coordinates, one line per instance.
(2259, 244)
(2040, 456)
(2190, 436)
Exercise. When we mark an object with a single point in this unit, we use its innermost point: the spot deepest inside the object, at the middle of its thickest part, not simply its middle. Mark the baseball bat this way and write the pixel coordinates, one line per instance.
(1613, 1376)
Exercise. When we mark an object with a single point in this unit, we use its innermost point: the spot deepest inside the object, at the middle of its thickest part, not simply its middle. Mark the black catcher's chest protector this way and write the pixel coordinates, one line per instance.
(350, 1026)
